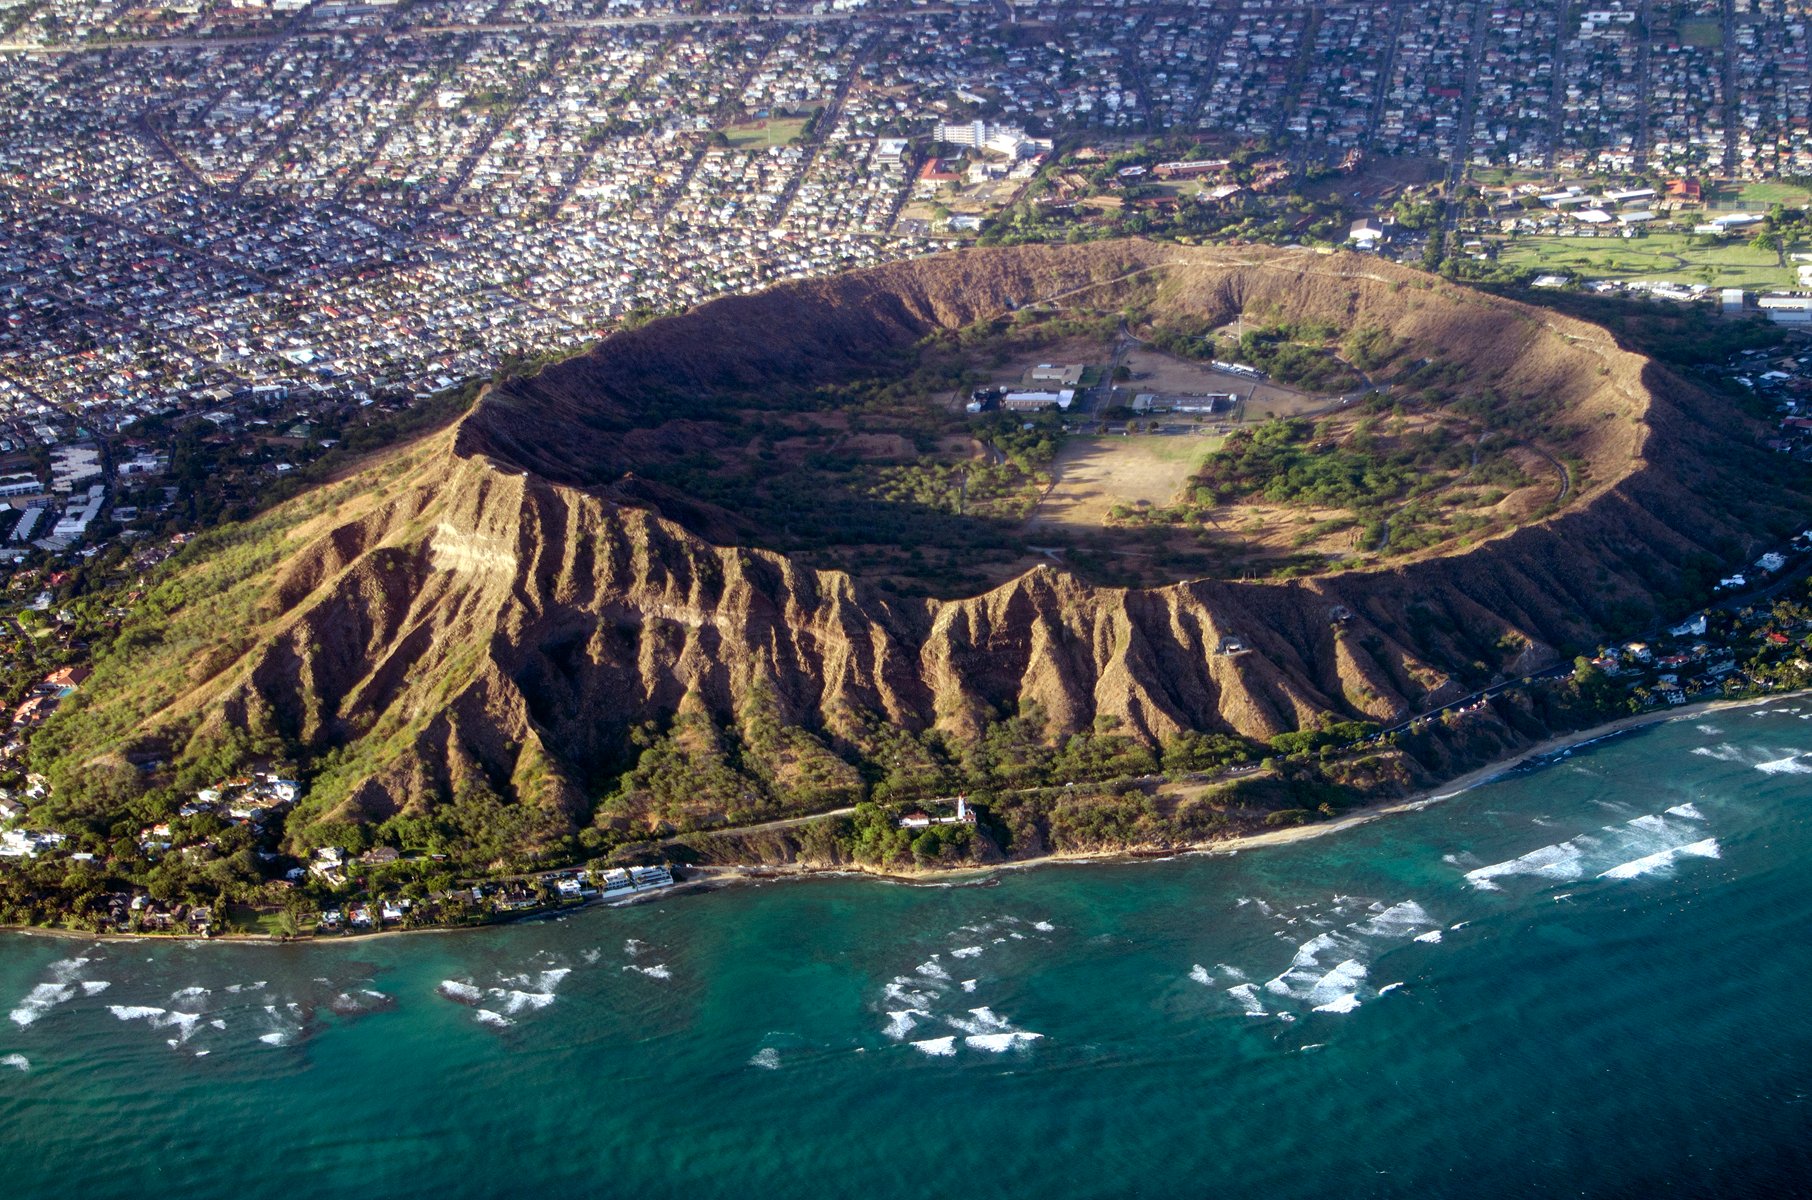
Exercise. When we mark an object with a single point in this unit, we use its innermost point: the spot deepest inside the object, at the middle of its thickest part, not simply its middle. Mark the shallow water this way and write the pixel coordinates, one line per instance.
(1586, 979)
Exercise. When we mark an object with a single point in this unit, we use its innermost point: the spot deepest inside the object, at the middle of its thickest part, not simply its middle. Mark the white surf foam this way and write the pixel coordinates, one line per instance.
(158, 1018)
(1399, 920)
(40, 1000)
(486, 1017)
(193, 992)
(550, 979)
(517, 1001)
(1662, 859)
(1247, 996)
(185, 1023)
(966, 952)
(904, 992)
(1043, 926)
(968, 985)
(930, 969)
(1687, 812)
(1433, 935)
(1390, 987)
(902, 1022)
(1791, 765)
(17, 1062)
(980, 1020)
(1340, 1004)
(1200, 974)
(657, 971)
(999, 1043)
(767, 1058)
(939, 1047)
(1337, 986)
(1560, 863)
(94, 987)
(1305, 972)
(462, 990)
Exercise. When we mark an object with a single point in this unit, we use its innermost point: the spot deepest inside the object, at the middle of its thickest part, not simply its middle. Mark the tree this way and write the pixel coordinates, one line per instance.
(1769, 240)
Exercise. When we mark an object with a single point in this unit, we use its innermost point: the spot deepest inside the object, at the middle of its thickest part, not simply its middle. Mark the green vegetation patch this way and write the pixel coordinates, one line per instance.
(1304, 355)
(1705, 34)
(1679, 258)
(765, 133)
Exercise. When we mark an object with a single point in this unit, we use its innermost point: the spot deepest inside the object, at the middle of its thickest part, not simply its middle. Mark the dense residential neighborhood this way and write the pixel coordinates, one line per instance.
(336, 202)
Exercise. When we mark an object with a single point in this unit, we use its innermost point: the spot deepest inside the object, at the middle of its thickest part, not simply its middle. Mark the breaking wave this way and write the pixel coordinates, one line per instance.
(902, 1022)
(40, 1000)
(657, 971)
(1635, 847)
(1662, 859)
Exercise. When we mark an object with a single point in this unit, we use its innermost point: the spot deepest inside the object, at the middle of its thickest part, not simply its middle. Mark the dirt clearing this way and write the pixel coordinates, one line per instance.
(1095, 474)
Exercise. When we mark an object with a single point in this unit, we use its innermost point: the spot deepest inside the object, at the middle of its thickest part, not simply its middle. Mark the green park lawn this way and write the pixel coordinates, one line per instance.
(1756, 197)
(1669, 256)
(1703, 34)
(759, 135)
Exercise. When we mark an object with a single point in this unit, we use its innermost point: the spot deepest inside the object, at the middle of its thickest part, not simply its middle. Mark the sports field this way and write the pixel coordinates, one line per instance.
(1659, 256)
(1095, 474)
(759, 135)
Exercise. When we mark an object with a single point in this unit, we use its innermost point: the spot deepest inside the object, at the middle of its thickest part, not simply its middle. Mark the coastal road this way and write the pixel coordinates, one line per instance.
(1486, 693)
(783, 823)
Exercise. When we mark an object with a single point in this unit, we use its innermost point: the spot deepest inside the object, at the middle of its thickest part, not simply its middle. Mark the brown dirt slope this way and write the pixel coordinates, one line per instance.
(514, 601)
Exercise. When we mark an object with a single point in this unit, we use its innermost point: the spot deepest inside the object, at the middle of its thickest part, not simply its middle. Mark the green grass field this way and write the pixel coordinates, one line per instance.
(1501, 176)
(1666, 256)
(1704, 34)
(1755, 197)
(759, 135)
(1761, 195)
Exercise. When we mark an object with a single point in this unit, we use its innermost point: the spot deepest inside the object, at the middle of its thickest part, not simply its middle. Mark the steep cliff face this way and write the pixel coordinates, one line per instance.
(511, 604)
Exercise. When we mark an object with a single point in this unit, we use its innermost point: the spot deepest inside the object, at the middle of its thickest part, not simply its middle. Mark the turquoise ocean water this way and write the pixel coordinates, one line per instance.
(1593, 978)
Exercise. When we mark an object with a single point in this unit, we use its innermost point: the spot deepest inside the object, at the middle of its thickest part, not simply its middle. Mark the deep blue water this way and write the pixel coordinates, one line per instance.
(1587, 979)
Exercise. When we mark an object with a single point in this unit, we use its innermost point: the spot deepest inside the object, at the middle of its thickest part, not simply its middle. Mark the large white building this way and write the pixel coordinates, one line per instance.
(1009, 140)
(19, 485)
